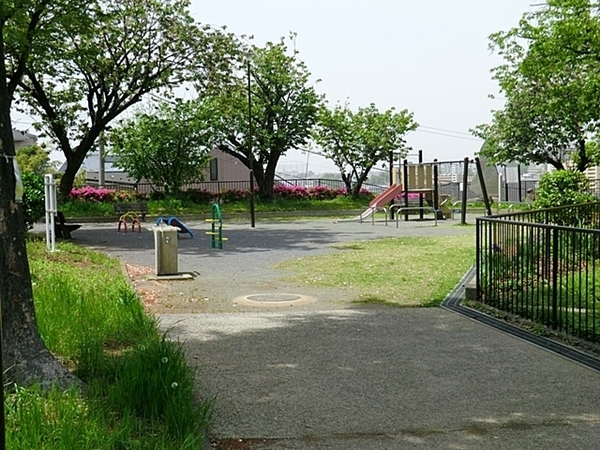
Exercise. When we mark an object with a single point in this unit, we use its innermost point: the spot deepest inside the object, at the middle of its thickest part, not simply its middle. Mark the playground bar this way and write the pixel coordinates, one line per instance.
(420, 194)
(405, 181)
(463, 206)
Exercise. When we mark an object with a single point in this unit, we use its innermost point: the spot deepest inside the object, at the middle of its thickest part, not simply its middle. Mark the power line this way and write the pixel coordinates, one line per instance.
(447, 131)
(450, 135)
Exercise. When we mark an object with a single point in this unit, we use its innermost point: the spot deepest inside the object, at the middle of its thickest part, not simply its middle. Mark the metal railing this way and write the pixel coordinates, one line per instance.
(220, 186)
(406, 209)
(542, 266)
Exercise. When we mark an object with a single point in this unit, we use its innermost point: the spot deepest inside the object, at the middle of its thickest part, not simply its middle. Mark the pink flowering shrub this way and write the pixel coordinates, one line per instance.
(92, 194)
(285, 191)
(100, 195)
(202, 196)
(233, 195)
(412, 196)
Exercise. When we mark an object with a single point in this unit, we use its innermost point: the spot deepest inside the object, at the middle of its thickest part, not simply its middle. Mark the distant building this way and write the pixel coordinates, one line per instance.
(222, 167)
(593, 174)
(23, 139)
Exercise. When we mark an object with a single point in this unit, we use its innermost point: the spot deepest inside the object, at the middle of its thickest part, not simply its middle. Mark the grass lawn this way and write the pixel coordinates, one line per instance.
(403, 271)
(140, 389)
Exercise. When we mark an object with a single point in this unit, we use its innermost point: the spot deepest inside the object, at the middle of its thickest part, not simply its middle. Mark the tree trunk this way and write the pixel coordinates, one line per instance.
(266, 188)
(347, 179)
(584, 161)
(74, 162)
(23, 351)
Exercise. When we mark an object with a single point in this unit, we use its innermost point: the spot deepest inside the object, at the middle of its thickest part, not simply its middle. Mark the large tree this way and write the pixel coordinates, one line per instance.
(169, 145)
(284, 106)
(551, 82)
(357, 141)
(93, 73)
(26, 28)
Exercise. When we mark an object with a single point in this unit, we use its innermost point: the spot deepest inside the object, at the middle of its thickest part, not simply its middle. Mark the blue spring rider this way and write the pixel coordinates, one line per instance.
(175, 222)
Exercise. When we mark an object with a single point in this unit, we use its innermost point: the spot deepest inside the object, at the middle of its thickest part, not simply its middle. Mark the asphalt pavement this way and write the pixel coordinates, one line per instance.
(329, 375)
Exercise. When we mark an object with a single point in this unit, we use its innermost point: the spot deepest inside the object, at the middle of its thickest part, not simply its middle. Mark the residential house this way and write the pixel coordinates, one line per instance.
(23, 139)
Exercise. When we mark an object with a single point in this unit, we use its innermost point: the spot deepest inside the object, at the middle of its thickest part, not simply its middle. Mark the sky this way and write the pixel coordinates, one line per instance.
(428, 56)
(431, 57)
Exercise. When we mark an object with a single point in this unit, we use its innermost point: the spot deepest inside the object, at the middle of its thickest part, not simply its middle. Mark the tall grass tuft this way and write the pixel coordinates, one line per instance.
(141, 391)
(155, 382)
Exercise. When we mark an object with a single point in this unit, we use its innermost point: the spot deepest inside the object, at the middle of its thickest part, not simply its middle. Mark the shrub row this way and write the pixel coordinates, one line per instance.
(200, 196)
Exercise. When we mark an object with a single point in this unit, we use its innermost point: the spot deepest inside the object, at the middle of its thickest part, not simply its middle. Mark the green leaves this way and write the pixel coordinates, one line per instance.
(551, 80)
(34, 204)
(34, 158)
(169, 146)
(282, 108)
(358, 141)
(86, 63)
(563, 188)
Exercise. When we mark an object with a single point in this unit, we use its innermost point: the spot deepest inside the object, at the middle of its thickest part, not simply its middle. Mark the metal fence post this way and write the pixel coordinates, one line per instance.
(555, 279)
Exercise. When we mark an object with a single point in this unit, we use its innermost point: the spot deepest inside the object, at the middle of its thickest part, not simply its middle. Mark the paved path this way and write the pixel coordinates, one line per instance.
(330, 377)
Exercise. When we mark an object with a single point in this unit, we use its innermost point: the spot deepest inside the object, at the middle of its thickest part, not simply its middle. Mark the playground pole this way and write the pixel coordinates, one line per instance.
(436, 200)
(391, 156)
(463, 204)
(519, 182)
(405, 181)
(250, 155)
(486, 199)
(506, 183)
(420, 194)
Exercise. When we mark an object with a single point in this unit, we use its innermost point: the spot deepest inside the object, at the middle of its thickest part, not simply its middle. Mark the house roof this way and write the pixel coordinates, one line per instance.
(20, 136)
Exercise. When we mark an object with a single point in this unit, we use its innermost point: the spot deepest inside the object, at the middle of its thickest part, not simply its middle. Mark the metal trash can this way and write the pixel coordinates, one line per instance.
(166, 246)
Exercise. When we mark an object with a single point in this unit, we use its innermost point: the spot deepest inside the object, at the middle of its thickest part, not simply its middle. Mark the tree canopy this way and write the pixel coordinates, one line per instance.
(169, 146)
(356, 142)
(284, 107)
(550, 80)
(105, 62)
(35, 159)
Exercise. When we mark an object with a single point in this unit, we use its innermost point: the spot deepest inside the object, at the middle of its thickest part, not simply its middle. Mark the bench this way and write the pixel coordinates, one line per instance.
(137, 208)
(62, 229)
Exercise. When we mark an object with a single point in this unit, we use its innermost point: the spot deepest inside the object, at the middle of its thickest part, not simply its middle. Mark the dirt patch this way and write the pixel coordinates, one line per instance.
(159, 297)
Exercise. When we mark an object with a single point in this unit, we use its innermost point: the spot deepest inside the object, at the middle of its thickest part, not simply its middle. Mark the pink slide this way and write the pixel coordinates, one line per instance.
(386, 196)
(382, 199)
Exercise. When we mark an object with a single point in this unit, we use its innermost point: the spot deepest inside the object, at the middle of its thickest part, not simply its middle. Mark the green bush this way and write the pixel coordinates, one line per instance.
(563, 188)
(34, 203)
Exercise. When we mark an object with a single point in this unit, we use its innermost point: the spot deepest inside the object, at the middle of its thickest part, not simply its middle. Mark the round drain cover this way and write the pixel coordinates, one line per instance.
(274, 299)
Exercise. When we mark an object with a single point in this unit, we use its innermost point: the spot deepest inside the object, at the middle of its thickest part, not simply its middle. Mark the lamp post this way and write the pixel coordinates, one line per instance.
(250, 156)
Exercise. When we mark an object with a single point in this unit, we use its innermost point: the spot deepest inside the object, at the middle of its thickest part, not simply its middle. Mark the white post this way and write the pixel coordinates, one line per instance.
(499, 192)
(50, 197)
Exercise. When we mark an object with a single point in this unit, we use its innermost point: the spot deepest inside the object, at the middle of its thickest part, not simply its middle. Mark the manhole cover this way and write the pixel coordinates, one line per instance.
(274, 299)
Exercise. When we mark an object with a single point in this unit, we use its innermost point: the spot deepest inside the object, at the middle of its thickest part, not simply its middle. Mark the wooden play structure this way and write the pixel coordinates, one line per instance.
(421, 182)
(415, 187)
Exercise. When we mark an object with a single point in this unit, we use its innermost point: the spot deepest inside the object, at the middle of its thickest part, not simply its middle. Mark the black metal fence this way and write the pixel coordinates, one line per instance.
(518, 192)
(146, 188)
(542, 266)
(523, 192)
(220, 186)
(452, 189)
